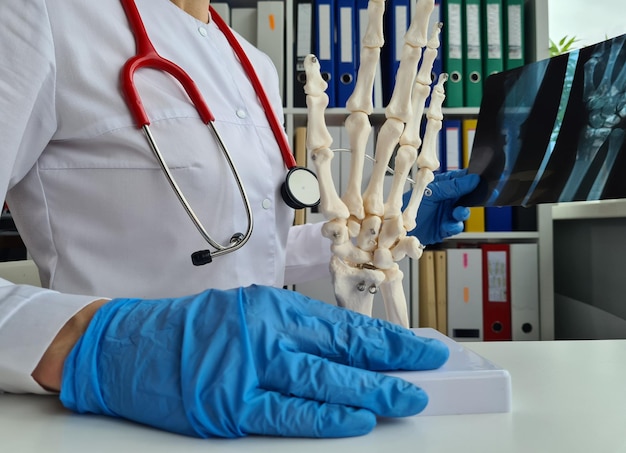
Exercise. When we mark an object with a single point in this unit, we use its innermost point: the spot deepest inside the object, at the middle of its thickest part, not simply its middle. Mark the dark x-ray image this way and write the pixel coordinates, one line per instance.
(554, 130)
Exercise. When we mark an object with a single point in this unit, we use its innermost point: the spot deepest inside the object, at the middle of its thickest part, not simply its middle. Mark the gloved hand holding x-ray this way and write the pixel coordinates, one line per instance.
(439, 216)
(369, 234)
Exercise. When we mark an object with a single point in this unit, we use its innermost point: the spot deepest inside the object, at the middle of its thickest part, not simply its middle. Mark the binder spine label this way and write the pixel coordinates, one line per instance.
(496, 264)
(515, 32)
(494, 41)
(325, 44)
(345, 16)
(402, 17)
(473, 32)
(455, 33)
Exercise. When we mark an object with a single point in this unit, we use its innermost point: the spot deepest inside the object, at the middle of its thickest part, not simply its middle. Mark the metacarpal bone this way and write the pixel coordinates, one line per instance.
(405, 158)
(330, 203)
(359, 128)
(387, 140)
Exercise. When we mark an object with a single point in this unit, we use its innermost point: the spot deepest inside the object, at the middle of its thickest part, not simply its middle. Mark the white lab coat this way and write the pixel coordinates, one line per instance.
(87, 195)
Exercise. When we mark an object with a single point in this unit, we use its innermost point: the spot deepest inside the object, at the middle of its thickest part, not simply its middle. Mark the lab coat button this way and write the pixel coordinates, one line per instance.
(267, 203)
(241, 113)
(202, 31)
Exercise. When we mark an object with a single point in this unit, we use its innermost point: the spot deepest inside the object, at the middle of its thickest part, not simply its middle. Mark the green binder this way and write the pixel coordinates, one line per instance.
(472, 57)
(452, 47)
(493, 58)
(514, 39)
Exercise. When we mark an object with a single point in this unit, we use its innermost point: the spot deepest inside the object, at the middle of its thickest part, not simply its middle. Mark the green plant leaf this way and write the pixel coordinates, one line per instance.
(564, 45)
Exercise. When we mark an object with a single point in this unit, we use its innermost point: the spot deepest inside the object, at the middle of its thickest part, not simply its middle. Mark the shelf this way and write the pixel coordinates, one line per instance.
(603, 209)
(495, 236)
(460, 111)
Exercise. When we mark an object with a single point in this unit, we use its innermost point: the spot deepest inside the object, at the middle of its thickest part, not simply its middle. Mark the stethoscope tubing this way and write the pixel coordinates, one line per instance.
(147, 57)
(219, 248)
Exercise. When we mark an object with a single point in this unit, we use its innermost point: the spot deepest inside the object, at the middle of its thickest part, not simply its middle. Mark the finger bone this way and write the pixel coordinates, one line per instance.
(423, 178)
(428, 155)
(416, 34)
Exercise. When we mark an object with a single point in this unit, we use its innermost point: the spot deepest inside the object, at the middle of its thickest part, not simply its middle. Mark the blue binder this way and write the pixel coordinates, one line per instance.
(362, 19)
(303, 47)
(346, 50)
(325, 44)
(452, 149)
(498, 218)
(398, 18)
(436, 17)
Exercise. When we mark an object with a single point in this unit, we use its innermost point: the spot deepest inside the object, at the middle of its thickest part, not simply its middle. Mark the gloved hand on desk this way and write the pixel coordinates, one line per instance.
(255, 360)
(438, 216)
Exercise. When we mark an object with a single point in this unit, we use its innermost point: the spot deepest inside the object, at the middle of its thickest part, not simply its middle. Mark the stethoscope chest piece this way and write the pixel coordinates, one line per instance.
(301, 188)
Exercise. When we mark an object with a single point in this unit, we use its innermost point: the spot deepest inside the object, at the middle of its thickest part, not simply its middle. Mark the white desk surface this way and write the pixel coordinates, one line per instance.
(567, 397)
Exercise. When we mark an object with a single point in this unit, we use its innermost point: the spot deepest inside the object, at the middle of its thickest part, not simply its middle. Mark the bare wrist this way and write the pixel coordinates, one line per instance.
(49, 371)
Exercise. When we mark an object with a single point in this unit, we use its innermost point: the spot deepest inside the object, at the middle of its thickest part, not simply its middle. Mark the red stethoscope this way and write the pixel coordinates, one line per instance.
(300, 189)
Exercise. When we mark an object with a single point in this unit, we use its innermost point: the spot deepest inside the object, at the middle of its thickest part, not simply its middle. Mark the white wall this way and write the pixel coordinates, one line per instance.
(589, 21)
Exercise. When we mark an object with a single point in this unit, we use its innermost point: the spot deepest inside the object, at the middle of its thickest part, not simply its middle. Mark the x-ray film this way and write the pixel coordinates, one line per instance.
(553, 130)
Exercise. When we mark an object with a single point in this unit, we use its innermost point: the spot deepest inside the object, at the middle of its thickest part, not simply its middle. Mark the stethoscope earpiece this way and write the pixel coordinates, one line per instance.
(201, 257)
(301, 188)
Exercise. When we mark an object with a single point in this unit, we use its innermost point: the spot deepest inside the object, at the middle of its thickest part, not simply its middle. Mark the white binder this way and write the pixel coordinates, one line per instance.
(465, 294)
(243, 21)
(271, 34)
(524, 264)
(223, 9)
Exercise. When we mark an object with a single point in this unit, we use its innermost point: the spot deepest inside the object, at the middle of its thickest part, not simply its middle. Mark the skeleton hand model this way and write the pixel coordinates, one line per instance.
(369, 234)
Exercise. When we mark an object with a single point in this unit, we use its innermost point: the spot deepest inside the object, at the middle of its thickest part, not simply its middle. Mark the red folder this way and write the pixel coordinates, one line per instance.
(496, 292)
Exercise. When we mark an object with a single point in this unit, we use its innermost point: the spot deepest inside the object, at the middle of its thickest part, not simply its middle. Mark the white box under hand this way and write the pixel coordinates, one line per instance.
(466, 384)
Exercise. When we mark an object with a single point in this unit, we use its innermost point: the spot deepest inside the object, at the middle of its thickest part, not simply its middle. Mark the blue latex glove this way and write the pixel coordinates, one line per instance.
(254, 360)
(438, 217)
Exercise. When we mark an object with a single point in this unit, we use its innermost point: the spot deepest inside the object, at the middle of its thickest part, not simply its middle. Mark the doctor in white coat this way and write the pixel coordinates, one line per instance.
(125, 325)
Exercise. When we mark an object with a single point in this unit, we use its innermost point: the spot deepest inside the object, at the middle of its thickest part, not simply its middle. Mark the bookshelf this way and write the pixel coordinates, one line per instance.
(537, 39)
(536, 48)
(600, 225)
(536, 33)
